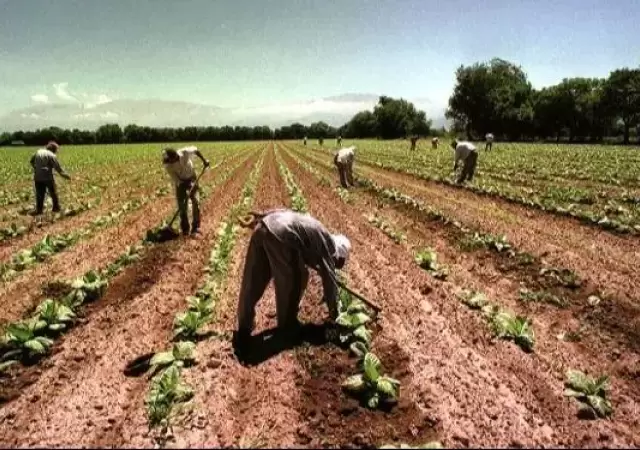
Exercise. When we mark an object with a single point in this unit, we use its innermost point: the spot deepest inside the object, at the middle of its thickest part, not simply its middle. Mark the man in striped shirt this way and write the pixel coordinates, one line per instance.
(466, 152)
(44, 162)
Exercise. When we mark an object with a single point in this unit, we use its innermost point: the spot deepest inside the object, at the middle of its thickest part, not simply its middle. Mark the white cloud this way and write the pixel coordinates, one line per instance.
(96, 100)
(40, 98)
(62, 92)
(30, 116)
(109, 115)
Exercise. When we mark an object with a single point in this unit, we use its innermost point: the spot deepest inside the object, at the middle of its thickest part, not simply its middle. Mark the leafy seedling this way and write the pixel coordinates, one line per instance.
(473, 299)
(590, 392)
(187, 325)
(541, 297)
(54, 316)
(183, 353)
(166, 390)
(372, 387)
(427, 259)
(517, 329)
(23, 340)
(89, 288)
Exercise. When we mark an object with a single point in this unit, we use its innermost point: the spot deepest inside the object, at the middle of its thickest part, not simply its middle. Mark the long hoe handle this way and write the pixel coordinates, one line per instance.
(370, 303)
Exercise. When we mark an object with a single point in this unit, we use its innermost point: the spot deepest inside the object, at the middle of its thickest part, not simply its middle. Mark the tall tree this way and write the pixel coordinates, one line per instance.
(397, 118)
(622, 98)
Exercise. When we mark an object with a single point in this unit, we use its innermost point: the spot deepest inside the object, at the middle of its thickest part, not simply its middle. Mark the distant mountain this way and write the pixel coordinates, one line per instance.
(334, 110)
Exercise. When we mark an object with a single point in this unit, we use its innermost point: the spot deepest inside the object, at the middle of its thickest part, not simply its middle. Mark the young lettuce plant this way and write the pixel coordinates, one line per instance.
(53, 316)
(473, 299)
(353, 318)
(22, 339)
(371, 386)
(183, 353)
(187, 325)
(590, 392)
(428, 260)
(86, 289)
(517, 329)
(166, 390)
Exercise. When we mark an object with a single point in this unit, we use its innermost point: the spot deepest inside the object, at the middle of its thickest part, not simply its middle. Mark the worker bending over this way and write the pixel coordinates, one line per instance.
(344, 163)
(283, 244)
(44, 162)
(434, 143)
(489, 139)
(465, 151)
(179, 165)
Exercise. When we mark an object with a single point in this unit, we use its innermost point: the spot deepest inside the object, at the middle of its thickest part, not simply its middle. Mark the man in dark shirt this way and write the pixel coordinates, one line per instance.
(44, 162)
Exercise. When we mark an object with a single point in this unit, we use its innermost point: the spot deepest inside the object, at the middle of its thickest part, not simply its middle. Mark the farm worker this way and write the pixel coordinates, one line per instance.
(489, 139)
(305, 140)
(44, 162)
(339, 141)
(465, 151)
(283, 245)
(414, 139)
(434, 143)
(179, 165)
(344, 163)
(320, 141)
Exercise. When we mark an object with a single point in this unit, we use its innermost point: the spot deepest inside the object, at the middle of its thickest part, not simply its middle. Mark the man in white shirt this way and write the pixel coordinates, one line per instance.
(305, 140)
(465, 151)
(489, 139)
(179, 166)
(434, 143)
(344, 162)
(339, 141)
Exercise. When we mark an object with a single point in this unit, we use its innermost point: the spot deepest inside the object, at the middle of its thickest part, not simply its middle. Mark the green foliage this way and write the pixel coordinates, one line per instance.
(53, 315)
(371, 386)
(515, 328)
(388, 229)
(590, 392)
(182, 353)
(165, 392)
(541, 297)
(473, 299)
(428, 260)
(89, 288)
(22, 338)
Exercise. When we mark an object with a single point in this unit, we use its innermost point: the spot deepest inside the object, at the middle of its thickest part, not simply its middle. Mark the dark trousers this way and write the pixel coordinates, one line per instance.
(346, 174)
(41, 191)
(269, 258)
(183, 197)
(488, 146)
(469, 167)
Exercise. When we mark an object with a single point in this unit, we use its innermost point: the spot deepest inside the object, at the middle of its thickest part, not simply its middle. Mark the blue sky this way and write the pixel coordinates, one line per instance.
(244, 53)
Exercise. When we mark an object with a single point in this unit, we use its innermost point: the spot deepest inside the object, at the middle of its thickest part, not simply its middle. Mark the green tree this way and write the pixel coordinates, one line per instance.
(362, 125)
(397, 118)
(109, 134)
(621, 97)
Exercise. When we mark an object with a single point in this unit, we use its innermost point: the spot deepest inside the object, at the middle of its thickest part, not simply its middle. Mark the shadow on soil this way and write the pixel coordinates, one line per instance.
(269, 343)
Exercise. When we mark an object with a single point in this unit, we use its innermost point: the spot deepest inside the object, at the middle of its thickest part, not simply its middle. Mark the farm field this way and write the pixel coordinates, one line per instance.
(495, 297)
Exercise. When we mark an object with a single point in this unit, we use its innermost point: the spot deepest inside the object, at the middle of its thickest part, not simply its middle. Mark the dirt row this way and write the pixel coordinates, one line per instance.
(21, 294)
(457, 368)
(81, 396)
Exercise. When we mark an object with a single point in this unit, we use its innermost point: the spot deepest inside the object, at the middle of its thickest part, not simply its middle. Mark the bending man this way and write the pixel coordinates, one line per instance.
(44, 162)
(179, 165)
(284, 243)
(344, 162)
(465, 151)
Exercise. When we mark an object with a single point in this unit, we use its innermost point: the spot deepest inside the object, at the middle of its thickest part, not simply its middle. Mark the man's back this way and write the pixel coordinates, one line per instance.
(345, 155)
(44, 162)
(463, 149)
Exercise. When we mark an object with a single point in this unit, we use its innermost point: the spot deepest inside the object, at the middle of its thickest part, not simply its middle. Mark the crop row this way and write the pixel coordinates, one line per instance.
(591, 393)
(29, 339)
(167, 389)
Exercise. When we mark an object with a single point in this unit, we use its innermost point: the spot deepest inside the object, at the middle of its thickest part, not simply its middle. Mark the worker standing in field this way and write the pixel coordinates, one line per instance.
(434, 143)
(465, 151)
(44, 162)
(283, 245)
(413, 139)
(179, 165)
(343, 161)
(489, 138)
(305, 141)
(339, 141)
(320, 141)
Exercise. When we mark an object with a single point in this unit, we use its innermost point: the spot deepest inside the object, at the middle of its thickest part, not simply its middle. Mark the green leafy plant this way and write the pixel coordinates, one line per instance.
(387, 228)
(473, 299)
(22, 339)
(53, 316)
(564, 277)
(427, 259)
(165, 391)
(372, 387)
(187, 325)
(590, 392)
(182, 353)
(89, 288)
(517, 329)
(541, 297)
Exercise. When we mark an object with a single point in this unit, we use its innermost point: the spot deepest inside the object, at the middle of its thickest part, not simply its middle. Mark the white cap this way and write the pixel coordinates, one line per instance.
(343, 246)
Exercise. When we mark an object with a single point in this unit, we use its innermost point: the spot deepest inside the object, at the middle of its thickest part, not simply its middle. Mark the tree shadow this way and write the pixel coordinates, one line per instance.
(269, 343)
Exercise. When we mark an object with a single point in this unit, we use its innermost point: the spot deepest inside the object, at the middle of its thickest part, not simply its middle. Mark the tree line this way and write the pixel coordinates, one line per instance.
(494, 96)
(497, 97)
